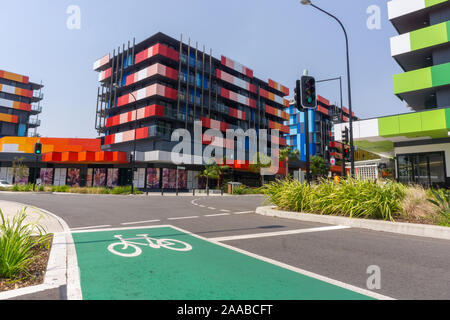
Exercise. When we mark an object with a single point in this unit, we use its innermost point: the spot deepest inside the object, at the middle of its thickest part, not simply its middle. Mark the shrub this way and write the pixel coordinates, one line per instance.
(441, 199)
(17, 240)
(352, 198)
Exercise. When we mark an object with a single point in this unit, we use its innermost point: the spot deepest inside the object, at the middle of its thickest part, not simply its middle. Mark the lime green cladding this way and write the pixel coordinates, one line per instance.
(430, 3)
(430, 36)
(434, 124)
(421, 79)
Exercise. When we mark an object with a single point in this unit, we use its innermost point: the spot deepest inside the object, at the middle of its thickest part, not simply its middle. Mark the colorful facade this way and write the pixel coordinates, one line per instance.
(418, 141)
(149, 89)
(19, 104)
(64, 161)
(321, 133)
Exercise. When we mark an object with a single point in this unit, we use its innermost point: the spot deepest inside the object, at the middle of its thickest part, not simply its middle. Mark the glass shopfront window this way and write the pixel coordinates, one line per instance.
(427, 169)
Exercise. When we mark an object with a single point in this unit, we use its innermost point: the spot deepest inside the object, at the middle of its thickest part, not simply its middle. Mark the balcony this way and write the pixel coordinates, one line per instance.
(36, 109)
(414, 50)
(37, 96)
(34, 123)
(416, 87)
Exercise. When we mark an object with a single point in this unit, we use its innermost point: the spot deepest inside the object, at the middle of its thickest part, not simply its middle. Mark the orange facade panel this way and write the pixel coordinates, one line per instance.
(14, 77)
(8, 118)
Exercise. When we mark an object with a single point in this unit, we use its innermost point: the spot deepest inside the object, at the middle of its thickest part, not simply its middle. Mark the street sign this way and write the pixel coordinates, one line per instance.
(333, 161)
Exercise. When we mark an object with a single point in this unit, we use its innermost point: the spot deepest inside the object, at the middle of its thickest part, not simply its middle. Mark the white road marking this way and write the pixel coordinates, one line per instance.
(224, 210)
(279, 233)
(93, 227)
(217, 215)
(139, 222)
(244, 212)
(201, 206)
(181, 218)
(211, 208)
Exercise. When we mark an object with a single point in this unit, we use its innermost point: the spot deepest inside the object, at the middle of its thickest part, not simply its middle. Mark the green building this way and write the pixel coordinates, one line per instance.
(418, 141)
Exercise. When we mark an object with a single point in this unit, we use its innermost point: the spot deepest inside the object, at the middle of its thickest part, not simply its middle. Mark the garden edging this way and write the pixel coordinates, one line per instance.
(411, 229)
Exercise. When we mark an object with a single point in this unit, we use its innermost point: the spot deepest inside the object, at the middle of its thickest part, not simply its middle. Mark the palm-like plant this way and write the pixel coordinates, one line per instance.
(287, 154)
(213, 171)
(441, 199)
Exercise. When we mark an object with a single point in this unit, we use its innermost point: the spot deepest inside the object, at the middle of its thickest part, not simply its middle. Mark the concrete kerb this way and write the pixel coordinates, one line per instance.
(57, 267)
(412, 229)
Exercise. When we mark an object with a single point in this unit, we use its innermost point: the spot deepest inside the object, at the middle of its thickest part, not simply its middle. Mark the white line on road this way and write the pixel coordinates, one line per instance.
(201, 206)
(211, 208)
(93, 227)
(217, 215)
(181, 218)
(244, 212)
(139, 222)
(280, 233)
(224, 210)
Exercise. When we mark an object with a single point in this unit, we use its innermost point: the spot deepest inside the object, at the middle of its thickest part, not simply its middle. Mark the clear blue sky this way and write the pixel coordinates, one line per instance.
(277, 39)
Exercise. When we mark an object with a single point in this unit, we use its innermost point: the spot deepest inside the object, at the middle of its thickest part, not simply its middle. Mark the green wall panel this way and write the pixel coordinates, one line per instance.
(413, 80)
(447, 118)
(389, 126)
(433, 120)
(430, 3)
(409, 123)
(440, 74)
(428, 37)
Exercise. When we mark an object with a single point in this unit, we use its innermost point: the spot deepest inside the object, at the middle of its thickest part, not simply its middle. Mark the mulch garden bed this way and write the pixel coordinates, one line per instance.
(37, 269)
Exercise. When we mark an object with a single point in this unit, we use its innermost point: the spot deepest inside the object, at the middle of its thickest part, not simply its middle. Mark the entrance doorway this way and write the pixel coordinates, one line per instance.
(427, 169)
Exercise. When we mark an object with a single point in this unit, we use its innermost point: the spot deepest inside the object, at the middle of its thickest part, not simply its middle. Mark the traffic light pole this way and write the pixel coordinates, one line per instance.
(352, 148)
(308, 163)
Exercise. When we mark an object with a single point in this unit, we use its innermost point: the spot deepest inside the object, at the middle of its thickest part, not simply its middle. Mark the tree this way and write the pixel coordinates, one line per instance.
(287, 154)
(213, 171)
(318, 168)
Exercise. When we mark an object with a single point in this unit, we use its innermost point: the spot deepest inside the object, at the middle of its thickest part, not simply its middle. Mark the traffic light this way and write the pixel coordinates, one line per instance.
(38, 148)
(308, 92)
(345, 136)
(346, 154)
(297, 95)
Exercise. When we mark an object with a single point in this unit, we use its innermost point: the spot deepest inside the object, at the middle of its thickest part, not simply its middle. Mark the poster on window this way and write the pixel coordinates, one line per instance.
(73, 177)
(46, 176)
(99, 177)
(60, 177)
(113, 178)
(182, 179)
(153, 175)
(4, 173)
(169, 178)
(89, 177)
(139, 178)
(21, 176)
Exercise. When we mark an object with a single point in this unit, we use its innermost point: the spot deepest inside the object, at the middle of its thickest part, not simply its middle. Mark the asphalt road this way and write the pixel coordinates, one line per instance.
(411, 267)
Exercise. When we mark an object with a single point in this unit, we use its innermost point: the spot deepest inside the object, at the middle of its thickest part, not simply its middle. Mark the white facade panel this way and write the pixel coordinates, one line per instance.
(400, 44)
(398, 8)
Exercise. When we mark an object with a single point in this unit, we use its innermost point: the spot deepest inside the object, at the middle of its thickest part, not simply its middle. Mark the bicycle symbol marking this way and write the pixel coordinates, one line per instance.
(119, 248)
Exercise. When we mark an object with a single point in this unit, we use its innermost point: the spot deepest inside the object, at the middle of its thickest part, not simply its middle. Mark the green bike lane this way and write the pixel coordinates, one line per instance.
(206, 270)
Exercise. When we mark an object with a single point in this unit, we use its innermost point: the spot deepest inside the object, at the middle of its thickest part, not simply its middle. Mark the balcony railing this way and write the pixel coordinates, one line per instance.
(34, 122)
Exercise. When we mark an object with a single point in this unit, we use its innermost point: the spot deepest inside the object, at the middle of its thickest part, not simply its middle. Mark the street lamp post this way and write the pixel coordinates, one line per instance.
(133, 159)
(352, 149)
